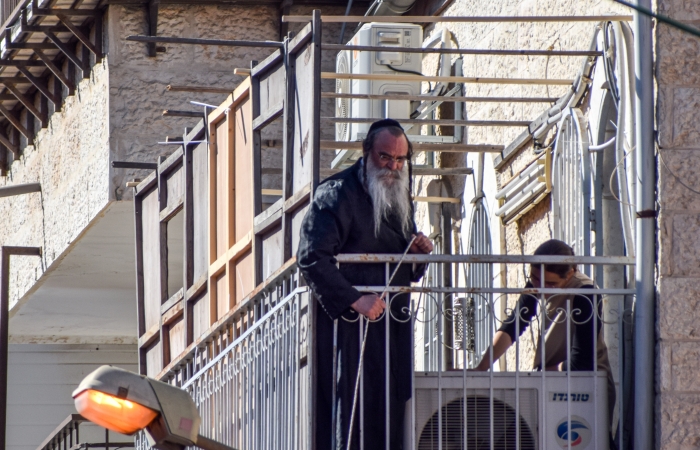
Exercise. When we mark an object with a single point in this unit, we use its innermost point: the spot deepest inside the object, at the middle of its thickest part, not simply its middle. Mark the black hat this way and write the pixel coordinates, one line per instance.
(384, 123)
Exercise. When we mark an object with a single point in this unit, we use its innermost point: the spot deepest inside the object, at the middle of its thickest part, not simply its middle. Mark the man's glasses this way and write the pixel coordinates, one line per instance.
(384, 158)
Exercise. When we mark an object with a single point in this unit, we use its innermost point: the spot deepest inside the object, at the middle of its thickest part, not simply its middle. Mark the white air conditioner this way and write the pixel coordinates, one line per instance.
(383, 62)
(543, 411)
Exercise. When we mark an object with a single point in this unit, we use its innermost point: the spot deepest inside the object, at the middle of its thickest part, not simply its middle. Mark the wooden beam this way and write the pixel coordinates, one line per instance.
(443, 122)
(452, 148)
(56, 71)
(441, 98)
(152, 25)
(483, 19)
(14, 80)
(65, 12)
(40, 85)
(479, 80)
(16, 123)
(66, 51)
(28, 103)
(85, 40)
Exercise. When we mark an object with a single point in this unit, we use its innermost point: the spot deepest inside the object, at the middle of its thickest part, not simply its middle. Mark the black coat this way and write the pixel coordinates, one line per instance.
(340, 220)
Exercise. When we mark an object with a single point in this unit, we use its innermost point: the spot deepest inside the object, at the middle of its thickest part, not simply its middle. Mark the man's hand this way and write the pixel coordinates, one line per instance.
(370, 306)
(421, 245)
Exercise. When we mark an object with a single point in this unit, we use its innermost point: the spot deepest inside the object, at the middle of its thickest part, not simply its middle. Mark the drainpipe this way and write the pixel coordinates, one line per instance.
(644, 330)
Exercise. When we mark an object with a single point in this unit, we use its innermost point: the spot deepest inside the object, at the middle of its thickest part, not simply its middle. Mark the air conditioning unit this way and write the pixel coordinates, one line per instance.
(381, 62)
(540, 418)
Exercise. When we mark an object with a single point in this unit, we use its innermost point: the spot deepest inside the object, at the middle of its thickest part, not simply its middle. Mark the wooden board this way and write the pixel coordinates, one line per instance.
(175, 187)
(200, 315)
(150, 223)
(272, 252)
(221, 148)
(200, 201)
(243, 171)
(303, 132)
(297, 218)
(272, 91)
(176, 335)
(176, 251)
(154, 360)
(244, 272)
(221, 292)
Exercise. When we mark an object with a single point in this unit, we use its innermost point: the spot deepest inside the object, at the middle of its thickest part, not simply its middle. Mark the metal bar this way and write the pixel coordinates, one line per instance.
(477, 290)
(19, 189)
(483, 19)
(462, 51)
(177, 113)
(644, 309)
(133, 165)
(212, 90)
(425, 78)
(5, 253)
(443, 122)
(419, 147)
(507, 259)
(197, 41)
(65, 12)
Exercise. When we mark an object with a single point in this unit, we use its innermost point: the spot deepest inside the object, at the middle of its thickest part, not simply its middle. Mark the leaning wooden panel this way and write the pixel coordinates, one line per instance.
(243, 170)
(199, 204)
(272, 255)
(152, 294)
(303, 128)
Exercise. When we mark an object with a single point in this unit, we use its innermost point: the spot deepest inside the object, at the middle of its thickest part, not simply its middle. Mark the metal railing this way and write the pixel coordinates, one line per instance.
(255, 392)
(68, 436)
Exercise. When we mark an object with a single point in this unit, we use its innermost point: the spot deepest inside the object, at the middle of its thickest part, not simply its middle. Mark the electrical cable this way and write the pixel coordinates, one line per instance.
(676, 176)
(396, 69)
(364, 342)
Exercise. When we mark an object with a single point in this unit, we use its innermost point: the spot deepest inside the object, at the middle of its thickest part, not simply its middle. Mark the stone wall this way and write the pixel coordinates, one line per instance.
(678, 128)
(67, 158)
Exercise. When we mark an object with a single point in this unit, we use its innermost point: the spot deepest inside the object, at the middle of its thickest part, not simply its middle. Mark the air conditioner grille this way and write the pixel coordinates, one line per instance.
(476, 415)
(342, 105)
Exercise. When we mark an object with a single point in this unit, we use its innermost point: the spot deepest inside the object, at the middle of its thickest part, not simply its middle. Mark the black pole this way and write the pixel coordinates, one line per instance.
(5, 253)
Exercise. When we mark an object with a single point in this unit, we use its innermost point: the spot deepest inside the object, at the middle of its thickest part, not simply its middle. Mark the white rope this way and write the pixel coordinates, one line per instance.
(364, 342)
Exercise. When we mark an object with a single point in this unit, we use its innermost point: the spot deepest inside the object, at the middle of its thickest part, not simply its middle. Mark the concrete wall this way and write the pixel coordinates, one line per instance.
(678, 125)
(41, 379)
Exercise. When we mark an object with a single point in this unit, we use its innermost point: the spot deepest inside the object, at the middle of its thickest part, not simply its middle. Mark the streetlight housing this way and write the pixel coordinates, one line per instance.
(125, 402)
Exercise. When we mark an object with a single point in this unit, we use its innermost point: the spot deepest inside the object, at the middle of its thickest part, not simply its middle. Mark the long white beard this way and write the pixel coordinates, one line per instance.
(389, 192)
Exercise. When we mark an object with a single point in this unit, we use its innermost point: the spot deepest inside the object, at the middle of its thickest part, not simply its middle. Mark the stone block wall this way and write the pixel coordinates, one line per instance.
(678, 254)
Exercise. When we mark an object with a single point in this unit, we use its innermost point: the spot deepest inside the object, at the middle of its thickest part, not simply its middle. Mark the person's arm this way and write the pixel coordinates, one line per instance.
(323, 232)
(526, 307)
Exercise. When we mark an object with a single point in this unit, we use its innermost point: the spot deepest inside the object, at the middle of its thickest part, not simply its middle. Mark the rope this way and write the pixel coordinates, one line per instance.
(364, 342)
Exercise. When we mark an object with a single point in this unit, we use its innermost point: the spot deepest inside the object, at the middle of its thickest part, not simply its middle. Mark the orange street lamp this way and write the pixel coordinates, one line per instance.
(125, 402)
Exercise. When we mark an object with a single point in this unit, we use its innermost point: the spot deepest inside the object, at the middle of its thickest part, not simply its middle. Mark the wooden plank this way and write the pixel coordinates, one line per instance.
(288, 150)
(176, 337)
(221, 205)
(28, 103)
(197, 288)
(151, 258)
(257, 177)
(199, 207)
(40, 85)
(442, 98)
(175, 187)
(200, 316)
(172, 210)
(58, 73)
(432, 199)
(154, 360)
(222, 295)
(300, 198)
(267, 64)
(272, 91)
(268, 116)
(240, 247)
(79, 34)
(14, 121)
(298, 42)
(243, 271)
(66, 51)
(297, 218)
(172, 301)
(244, 179)
(442, 122)
(447, 79)
(456, 19)
(267, 218)
(140, 299)
(419, 147)
(173, 314)
(418, 171)
(272, 257)
(316, 42)
(303, 135)
(150, 336)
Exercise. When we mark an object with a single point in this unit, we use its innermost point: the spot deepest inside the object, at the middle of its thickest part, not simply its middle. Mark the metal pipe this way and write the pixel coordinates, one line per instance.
(19, 189)
(5, 253)
(461, 51)
(219, 42)
(644, 332)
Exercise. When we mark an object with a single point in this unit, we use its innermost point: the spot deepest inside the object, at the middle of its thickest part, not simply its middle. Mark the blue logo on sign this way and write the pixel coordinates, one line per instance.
(578, 436)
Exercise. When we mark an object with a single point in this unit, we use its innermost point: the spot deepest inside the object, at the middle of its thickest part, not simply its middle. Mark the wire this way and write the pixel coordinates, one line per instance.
(612, 175)
(396, 69)
(676, 176)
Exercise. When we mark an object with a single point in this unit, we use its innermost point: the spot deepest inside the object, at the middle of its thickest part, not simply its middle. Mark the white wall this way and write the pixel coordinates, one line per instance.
(41, 378)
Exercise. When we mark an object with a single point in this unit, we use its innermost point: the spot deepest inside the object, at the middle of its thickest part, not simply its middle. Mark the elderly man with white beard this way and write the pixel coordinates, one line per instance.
(366, 208)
